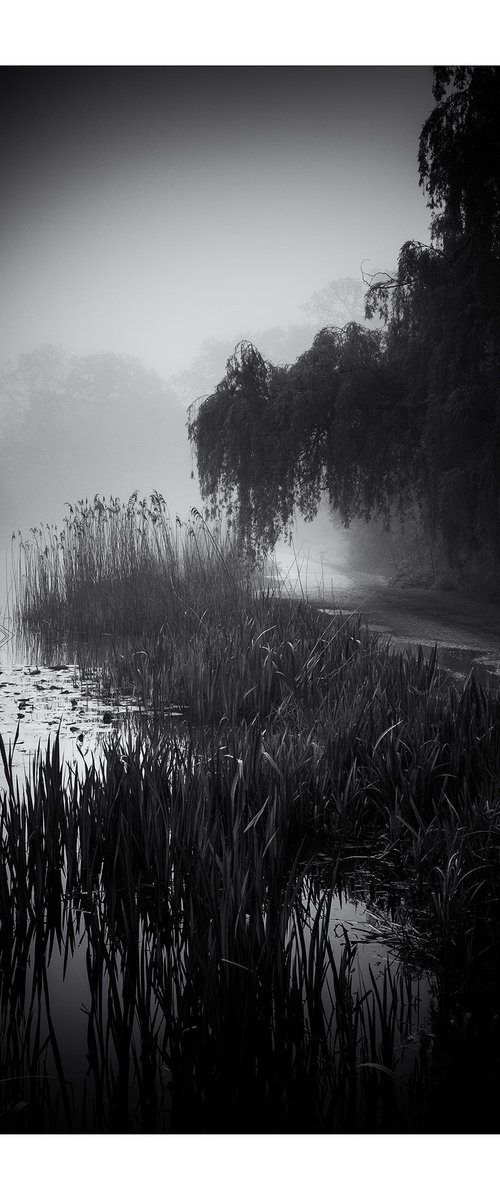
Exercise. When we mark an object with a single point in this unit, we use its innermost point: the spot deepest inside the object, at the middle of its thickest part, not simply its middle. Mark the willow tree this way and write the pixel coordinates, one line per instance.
(443, 315)
(383, 421)
(271, 441)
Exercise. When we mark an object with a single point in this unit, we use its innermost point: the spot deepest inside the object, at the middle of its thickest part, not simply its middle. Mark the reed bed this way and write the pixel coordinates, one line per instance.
(220, 998)
(124, 568)
(193, 871)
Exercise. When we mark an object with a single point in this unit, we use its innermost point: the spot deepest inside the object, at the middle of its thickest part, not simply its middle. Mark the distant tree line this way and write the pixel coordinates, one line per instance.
(399, 419)
(74, 426)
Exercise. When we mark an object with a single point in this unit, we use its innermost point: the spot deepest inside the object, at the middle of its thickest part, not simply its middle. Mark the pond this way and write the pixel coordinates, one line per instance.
(102, 1025)
(42, 694)
(44, 691)
(86, 1034)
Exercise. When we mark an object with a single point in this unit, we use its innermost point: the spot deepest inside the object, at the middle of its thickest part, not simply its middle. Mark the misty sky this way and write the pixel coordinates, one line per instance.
(144, 210)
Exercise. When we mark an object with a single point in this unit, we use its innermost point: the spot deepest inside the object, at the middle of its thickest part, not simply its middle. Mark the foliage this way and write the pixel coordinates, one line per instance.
(187, 880)
(442, 309)
(401, 421)
(281, 344)
(271, 440)
(124, 568)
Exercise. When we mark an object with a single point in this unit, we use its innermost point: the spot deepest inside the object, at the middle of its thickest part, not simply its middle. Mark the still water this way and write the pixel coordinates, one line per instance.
(464, 627)
(83, 1032)
(42, 693)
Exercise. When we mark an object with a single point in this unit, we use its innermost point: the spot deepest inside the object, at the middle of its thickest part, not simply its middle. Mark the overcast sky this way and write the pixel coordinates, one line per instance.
(143, 210)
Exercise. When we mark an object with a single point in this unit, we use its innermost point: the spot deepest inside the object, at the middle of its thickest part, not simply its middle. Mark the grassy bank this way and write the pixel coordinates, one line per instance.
(198, 863)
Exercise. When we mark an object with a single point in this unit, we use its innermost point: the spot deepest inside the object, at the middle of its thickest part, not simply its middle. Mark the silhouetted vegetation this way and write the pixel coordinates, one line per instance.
(190, 876)
(186, 884)
(393, 421)
(125, 569)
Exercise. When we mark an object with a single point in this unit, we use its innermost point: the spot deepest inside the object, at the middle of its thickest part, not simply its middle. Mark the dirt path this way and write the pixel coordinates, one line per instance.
(466, 628)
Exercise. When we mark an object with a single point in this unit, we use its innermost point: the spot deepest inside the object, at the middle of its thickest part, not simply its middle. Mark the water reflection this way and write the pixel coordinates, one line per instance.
(393, 995)
(46, 689)
(121, 1010)
(80, 1040)
(80, 691)
(97, 1031)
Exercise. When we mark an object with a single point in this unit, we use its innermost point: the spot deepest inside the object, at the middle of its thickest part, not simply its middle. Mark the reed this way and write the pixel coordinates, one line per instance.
(211, 957)
(122, 568)
(281, 756)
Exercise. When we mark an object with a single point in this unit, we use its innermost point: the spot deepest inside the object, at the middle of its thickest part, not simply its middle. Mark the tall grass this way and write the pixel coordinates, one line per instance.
(125, 569)
(211, 960)
(199, 859)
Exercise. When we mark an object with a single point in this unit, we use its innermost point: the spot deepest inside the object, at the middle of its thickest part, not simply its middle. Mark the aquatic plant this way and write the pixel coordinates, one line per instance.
(188, 867)
(282, 755)
(125, 568)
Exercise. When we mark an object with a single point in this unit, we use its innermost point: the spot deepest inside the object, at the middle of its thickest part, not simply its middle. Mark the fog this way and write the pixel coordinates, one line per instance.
(150, 218)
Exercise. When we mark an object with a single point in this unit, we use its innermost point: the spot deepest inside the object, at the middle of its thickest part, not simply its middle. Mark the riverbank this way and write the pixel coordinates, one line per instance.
(464, 626)
(270, 902)
(252, 919)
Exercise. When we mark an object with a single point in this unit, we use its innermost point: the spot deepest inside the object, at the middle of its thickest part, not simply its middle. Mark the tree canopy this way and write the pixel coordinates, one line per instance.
(443, 311)
(272, 440)
(402, 417)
